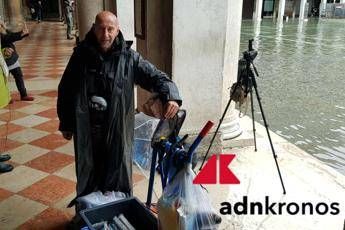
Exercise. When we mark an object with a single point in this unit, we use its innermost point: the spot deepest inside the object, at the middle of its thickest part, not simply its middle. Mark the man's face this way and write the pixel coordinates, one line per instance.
(106, 31)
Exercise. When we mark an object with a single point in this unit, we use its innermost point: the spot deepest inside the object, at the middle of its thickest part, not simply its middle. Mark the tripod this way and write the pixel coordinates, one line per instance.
(246, 80)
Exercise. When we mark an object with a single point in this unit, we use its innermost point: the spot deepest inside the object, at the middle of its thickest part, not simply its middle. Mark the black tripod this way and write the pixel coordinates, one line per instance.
(246, 81)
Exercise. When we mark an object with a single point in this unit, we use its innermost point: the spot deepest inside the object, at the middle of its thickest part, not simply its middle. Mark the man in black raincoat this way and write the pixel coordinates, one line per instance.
(96, 105)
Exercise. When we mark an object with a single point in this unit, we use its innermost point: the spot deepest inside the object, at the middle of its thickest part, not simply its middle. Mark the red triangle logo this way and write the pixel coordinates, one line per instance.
(208, 174)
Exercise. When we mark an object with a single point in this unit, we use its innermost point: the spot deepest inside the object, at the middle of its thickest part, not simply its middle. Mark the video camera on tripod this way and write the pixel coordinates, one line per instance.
(240, 89)
(250, 54)
(239, 92)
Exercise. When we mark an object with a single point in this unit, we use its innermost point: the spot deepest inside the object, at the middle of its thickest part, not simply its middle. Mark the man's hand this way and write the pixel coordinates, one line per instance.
(8, 52)
(67, 135)
(170, 109)
(154, 108)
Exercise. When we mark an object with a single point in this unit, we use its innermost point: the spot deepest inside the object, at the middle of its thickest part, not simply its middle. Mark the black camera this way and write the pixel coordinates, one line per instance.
(250, 54)
(240, 89)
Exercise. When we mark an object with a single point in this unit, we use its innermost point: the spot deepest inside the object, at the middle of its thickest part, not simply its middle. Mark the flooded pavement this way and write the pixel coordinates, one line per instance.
(302, 80)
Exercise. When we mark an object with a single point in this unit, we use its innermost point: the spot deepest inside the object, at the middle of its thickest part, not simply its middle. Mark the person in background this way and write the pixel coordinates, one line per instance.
(68, 10)
(30, 4)
(38, 9)
(11, 57)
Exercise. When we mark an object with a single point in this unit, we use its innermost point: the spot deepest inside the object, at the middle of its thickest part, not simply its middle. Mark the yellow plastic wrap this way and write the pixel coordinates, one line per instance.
(4, 92)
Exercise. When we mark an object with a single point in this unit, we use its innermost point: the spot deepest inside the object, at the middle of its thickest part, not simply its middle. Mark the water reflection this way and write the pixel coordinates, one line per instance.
(301, 84)
(279, 34)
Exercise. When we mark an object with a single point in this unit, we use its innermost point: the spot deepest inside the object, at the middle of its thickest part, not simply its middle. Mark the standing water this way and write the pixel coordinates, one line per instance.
(302, 79)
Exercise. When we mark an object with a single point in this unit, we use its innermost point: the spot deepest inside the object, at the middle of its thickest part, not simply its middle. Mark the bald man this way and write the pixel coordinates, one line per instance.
(96, 105)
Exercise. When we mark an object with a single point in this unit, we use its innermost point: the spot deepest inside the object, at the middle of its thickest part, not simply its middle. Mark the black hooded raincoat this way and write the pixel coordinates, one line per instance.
(126, 67)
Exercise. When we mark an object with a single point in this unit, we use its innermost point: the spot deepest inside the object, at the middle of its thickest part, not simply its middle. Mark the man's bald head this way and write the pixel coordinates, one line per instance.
(106, 16)
(106, 29)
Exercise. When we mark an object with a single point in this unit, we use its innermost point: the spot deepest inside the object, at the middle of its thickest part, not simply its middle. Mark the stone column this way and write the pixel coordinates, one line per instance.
(322, 10)
(87, 11)
(231, 127)
(2, 11)
(281, 10)
(205, 58)
(110, 5)
(125, 14)
(61, 12)
(302, 9)
(258, 10)
(294, 9)
(275, 9)
(15, 17)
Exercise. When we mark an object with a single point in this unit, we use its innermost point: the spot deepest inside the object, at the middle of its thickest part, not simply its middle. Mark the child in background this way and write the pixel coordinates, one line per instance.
(11, 57)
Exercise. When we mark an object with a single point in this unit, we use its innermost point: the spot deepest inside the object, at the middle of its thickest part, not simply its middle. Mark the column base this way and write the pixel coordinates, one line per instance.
(231, 129)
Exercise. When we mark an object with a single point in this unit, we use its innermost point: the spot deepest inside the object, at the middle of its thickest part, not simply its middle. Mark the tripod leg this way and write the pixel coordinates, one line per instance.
(215, 133)
(252, 108)
(268, 133)
(220, 122)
